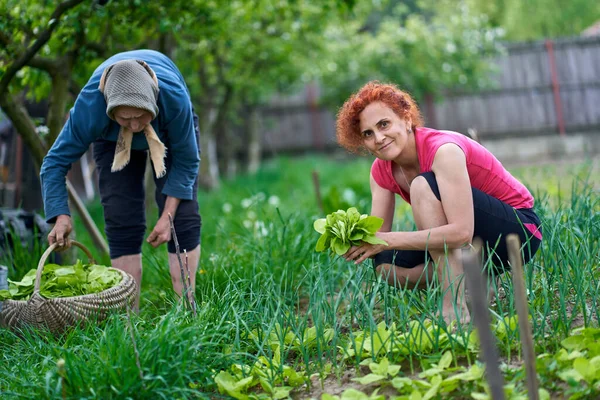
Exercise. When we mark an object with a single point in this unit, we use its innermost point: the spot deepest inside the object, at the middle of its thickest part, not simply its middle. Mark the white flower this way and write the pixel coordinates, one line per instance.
(260, 196)
(213, 257)
(42, 130)
(349, 196)
(251, 214)
(227, 208)
(450, 47)
(246, 203)
(261, 229)
(274, 201)
(247, 224)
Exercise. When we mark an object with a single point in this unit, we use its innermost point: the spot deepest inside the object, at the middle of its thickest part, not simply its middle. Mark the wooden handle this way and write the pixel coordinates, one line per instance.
(513, 243)
(40, 267)
(473, 270)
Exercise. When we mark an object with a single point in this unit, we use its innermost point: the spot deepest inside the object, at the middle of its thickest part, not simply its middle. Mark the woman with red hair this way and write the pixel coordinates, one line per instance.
(457, 190)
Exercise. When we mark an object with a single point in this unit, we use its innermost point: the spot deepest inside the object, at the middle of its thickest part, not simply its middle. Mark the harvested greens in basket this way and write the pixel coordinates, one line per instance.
(344, 229)
(64, 281)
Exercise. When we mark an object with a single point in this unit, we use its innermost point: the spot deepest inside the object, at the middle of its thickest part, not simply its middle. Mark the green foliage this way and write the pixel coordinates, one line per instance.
(236, 55)
(63, 281)
(85, 35)
(424, 52)
(343, 229)
(250, 48)
(22, 256)
(538, 19)
(343, 197)
(293, 321)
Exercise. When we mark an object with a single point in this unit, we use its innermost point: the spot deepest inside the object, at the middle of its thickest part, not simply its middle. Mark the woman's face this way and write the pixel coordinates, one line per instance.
(133, 118)
(384, 133)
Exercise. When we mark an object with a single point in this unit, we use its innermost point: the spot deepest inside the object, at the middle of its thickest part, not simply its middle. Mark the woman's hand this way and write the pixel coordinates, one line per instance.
(360, 253)
(60, 233)
(161, 232)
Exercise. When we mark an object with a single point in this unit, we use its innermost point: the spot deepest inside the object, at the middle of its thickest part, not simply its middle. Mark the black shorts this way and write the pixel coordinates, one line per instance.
(123, 200)
(494, 220)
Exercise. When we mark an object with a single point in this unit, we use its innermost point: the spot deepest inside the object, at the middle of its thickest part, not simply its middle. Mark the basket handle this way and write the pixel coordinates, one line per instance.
(40, 268)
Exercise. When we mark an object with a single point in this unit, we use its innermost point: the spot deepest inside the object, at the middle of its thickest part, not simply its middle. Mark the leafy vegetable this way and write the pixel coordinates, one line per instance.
(63, 281)
(343, 229)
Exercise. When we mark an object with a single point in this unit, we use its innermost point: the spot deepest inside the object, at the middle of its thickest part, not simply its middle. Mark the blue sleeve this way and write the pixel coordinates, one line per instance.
(183, 147)
(87, 120)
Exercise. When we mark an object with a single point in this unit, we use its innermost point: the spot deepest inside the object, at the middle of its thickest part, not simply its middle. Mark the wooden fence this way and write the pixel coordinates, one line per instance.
(540, 88)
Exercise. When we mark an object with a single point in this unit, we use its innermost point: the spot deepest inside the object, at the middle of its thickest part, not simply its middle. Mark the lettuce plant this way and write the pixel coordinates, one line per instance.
(64, 281)
(343, 229)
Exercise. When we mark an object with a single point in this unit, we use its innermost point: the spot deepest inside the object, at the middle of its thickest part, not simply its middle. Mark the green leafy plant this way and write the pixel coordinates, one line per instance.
(343, 229)
(63, 281)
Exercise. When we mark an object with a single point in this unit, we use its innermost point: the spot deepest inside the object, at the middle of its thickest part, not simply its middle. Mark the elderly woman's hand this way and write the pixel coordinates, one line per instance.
(60, 233)
(161, 232)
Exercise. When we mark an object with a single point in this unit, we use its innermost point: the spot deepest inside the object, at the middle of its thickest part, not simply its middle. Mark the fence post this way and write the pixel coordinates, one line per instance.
(311, 98)
(555, 87)
(430, 108)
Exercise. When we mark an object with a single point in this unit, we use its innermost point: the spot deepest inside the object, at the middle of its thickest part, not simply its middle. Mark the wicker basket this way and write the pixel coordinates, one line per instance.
(59, 314)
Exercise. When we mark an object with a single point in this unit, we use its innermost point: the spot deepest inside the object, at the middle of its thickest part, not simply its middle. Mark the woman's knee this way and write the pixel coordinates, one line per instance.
(125, 226)
(426, 202)
(424, 187)
(187, 228)
(125, 240)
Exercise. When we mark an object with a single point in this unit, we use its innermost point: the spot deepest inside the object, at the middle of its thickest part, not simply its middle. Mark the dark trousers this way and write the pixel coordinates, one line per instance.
(123, 199)
(494, 220)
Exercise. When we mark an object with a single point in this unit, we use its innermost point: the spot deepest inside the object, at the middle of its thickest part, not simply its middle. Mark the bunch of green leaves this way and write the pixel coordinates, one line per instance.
(343, 229)
(64, 281)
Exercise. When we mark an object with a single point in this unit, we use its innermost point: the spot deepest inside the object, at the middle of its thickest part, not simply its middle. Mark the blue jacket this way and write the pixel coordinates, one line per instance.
(88, 122)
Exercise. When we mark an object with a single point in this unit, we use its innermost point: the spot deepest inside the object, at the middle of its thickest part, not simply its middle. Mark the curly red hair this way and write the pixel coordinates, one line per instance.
(348, 122)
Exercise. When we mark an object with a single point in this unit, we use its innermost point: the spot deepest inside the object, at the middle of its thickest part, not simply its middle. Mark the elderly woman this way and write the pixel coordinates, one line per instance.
(457, 189)
(135, 103)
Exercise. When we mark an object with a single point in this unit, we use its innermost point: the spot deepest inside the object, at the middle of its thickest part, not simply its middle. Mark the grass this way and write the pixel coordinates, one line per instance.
(277, 320)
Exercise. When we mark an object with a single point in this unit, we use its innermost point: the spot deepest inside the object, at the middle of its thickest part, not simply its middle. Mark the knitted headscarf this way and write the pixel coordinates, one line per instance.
(133, 83)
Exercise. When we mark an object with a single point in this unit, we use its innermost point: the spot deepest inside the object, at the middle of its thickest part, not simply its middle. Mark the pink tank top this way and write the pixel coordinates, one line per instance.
(485, 171)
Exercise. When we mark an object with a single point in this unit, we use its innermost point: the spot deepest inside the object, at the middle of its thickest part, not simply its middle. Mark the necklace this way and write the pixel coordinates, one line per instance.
(404, 176)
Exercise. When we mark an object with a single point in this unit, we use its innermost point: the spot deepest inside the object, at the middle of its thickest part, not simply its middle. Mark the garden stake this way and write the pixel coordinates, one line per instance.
(514, 255)
(135, 349)
(189, 283)
(479, 305)
(184, 293)
(317, 185)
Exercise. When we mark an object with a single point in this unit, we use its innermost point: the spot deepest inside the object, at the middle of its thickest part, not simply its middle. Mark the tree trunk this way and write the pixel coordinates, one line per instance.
(225, 144)
(254, 141)
(58, 104)
(165, 45)
(37, 148)
(209, 168)
(25, 127)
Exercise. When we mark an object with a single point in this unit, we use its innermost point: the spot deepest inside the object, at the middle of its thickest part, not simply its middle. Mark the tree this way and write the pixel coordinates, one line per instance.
(539, 19)
(48, 50)
(424, 52)
(237, 55)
